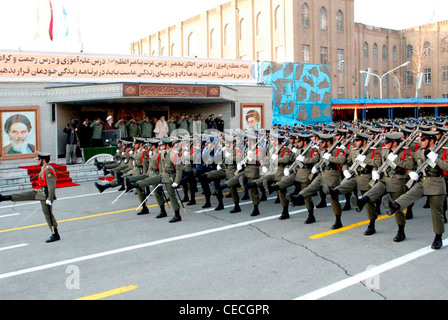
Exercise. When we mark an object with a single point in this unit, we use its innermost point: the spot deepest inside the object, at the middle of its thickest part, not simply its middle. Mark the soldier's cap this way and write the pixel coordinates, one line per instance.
(406, 130)
(153, 141)
(375, 130)
(425, 128)
(429, 134)
(361, 136)
(41, 155)
(341, 131)
(442, 129)
(326, 137)
(390, 137)
(305, 135)
(329, 129)
(138, 140)
(166, 140)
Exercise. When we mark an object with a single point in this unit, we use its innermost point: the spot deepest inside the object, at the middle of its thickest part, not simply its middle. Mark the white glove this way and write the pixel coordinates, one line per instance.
(433, 156)
(264, 169)
(227, 154)
(347, 174)
(314, 170)
(218, 167)
(342, 147)
(391, 157)
(375, 175)
(361, 158)
(274, 157)
(301, 158)
(294, 150)
(414, 176)
(327, 156)
(174, 185)
(131, 152)
(239, 167)
(286, 172)
(48, 202)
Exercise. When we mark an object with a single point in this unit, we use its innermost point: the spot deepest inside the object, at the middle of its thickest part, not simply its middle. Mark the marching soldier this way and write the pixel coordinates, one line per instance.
(46, 194)
(432, 185)
(392, 182)
(328, 175)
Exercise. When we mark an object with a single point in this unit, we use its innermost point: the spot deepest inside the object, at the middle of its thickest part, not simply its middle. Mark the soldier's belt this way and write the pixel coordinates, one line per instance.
(433, 174)
(170, 172)
(364, 171)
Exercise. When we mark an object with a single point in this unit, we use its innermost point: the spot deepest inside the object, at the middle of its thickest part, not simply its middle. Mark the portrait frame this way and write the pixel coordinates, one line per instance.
(256, 109)
(31, 113)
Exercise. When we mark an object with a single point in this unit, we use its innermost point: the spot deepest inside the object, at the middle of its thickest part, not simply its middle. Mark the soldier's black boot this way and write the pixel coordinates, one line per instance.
(263, 196)
(347, 206)
(236, 208)
(98, 164)
(400, 234)
(409, 213)
(390, 207)
(370, 228)
(285, 214)
(105, 171)
(192, 201)
(255, 211)
(162, 213)
(426, 205)
(54, 237)
(273, 188)
(207, 202)
(129, 185)
(102, 187)
(323, 200)
(220, 197)
(176, 217)
(337, 223)
(144, 210)
(296, 200)
(246, 194)
(437, 243)
(359, 204)
(311, 218)
(5, 198)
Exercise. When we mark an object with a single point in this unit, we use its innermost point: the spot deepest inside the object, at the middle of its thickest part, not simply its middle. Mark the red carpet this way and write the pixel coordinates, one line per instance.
(62, 176)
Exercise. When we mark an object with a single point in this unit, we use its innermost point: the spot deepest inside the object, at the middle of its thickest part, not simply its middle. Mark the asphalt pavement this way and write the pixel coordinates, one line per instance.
(107, 252)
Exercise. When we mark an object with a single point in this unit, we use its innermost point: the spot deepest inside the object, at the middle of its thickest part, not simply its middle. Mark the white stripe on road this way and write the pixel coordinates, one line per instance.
(139, 246)
(368, 274)
(9, 215)
(14, 247)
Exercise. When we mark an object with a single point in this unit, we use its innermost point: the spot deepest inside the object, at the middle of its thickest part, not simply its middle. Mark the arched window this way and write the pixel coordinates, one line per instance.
(409, 52)
(375, 51)
(242, 28)
(427, 49)
(340, 21)
(385, 55)
(366, 50)
(394, 53)
(445, 45)
(172, 49)
(226, 34)
(323, 19)
(211, 38)
(190, 45)
(305, 15)
(278, 17)
(258, 24)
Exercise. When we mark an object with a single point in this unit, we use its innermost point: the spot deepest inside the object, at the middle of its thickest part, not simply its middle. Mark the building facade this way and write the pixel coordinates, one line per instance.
(319, 32)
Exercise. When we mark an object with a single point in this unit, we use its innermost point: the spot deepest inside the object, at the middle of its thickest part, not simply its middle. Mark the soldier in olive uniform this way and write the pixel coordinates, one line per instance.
(46, 194)
(432, 184)
(369, 159)
(147, 127)
(392, 182)
(171, 174)
(328, 175)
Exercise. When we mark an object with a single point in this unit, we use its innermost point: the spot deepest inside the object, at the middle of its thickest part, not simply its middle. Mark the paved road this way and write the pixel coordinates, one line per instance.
(108, 252)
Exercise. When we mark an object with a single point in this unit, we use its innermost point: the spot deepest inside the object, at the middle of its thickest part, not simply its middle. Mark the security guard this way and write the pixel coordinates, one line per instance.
(431, 185)
(46, 193)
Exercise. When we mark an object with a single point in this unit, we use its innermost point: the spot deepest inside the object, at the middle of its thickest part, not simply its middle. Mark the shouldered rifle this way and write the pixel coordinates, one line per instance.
(246, 158)
(387, 163)
(297, 162)
(318, 166)
(421, 170)
(355, 165)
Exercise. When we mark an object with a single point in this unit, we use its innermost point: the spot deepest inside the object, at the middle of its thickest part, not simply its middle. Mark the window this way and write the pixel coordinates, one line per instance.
(305, 15)
(341, 93)
(340, 59)
(323, 18)
(211, 38)
(375, 79)
(427, 49)
(226, 34)
(306, 53)
(258, 24)
(242, 29)
(445, 74)
(340, 21)
(445, 46)
(427, 97)
(409, 52)
(385, 80)
(366, 50)
(445, 96)
(409, 78)
(375, 51)
(172, 50)
(394, 53)
(385, 55)
(278, 18)
(427, 76)
(190, 45)
(323, 55)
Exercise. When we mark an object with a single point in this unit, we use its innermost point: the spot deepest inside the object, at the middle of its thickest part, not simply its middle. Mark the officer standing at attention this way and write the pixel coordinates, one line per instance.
(46, 194)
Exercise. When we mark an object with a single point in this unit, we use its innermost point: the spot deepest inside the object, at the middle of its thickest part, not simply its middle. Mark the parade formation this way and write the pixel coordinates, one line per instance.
(380, 166)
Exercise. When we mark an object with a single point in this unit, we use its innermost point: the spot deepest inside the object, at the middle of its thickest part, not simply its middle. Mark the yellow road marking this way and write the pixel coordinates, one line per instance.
(108, 293)
(355, 225)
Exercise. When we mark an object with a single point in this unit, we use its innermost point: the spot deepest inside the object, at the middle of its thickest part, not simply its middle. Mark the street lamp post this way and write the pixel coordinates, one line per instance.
(382, 77)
